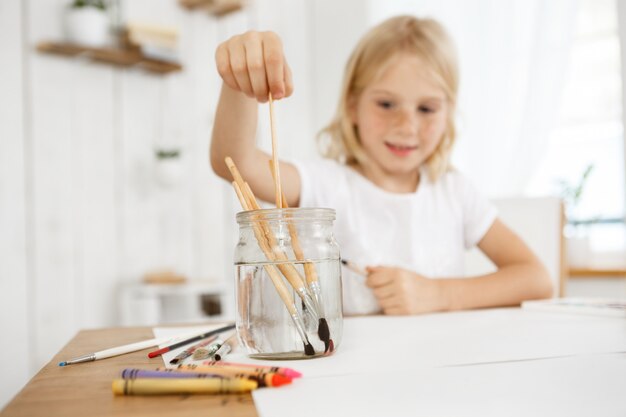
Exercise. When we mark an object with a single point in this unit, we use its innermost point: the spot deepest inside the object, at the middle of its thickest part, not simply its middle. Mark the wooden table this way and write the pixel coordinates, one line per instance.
(85, 389)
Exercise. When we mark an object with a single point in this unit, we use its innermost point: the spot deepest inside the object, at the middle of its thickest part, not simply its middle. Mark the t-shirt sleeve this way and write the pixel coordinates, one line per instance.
(478, 212)
(319, 179)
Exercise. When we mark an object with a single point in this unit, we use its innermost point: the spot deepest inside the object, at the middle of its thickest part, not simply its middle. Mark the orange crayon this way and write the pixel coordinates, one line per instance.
(291, 373)
(264, 379)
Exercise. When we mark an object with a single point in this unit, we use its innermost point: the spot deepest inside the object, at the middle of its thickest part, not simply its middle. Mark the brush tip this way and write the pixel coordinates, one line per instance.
(308, 349)
(62, 363)
(324, 333)
(343, 261)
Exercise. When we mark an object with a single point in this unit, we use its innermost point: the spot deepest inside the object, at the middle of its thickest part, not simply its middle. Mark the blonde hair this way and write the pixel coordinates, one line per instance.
(425, 38)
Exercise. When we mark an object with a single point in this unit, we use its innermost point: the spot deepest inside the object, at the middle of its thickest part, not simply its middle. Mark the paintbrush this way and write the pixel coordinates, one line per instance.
(247, 202)
(132, 347)
(188, 352)
(354, 268)
(287, 269)
(226, 347)
(185, 342)
(323, 331)
(275, 165)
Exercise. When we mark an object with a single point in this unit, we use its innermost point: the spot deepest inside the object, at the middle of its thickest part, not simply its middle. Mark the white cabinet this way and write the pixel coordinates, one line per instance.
(193, 301)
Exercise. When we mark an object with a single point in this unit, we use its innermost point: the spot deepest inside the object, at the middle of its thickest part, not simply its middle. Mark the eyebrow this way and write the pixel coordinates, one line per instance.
(430, 98)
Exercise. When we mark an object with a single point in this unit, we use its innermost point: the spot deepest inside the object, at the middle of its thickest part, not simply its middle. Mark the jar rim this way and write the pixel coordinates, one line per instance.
(292, 213)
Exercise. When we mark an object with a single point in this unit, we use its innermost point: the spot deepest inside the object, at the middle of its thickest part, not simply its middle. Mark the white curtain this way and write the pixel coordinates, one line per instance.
(513, 58)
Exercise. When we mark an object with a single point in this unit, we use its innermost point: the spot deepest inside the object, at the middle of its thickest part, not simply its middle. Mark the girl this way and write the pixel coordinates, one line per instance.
(401, 209)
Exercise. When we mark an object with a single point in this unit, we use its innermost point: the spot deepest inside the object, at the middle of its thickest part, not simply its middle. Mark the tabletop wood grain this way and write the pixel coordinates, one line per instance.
(85, 389)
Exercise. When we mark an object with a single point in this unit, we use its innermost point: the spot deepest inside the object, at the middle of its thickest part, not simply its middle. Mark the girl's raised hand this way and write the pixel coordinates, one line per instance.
(254, 63)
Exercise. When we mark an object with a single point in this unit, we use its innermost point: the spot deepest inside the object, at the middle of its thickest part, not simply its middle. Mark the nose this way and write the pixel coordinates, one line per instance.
(407, 122)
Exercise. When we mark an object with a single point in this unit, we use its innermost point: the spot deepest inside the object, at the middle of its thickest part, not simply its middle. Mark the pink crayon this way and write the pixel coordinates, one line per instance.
(291, 373)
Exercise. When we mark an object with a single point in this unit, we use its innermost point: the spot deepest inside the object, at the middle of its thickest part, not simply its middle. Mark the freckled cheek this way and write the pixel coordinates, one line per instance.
(431, 131)
(374, 124)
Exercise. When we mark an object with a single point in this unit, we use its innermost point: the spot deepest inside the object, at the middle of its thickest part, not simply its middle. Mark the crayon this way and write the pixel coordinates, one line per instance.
(155, 386)
(291, 373)
(264, 379)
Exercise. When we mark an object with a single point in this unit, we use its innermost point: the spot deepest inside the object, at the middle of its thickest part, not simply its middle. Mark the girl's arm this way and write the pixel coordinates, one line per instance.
(251, 65)
(520, 276)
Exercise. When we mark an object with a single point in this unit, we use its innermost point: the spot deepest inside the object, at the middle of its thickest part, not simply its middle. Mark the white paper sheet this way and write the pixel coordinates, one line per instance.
(495, 335)
(385, 365)
(588, 385)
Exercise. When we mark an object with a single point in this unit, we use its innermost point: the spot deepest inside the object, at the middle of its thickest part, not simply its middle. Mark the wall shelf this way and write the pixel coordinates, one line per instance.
(214, 7)
(113, 56)
(592, 272)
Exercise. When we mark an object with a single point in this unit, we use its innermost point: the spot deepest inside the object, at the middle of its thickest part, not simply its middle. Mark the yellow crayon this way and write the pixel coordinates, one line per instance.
(154, 386)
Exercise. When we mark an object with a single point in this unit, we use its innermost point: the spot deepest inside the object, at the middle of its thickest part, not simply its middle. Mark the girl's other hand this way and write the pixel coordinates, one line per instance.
(403, 292)
(254, 63)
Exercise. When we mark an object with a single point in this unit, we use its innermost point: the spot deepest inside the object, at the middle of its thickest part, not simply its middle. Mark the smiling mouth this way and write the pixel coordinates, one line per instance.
(400, 150)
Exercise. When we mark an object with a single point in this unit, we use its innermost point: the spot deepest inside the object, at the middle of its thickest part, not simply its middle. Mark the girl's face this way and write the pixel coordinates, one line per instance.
(401, 118)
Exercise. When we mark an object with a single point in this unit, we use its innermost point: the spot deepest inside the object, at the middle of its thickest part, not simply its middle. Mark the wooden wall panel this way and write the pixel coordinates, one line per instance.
(54, 198)
(208, 225)
(14, 319)
(94, 184)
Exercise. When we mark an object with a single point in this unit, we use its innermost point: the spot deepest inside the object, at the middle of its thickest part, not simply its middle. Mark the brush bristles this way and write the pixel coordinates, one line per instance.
(324, 333)
(308, 349)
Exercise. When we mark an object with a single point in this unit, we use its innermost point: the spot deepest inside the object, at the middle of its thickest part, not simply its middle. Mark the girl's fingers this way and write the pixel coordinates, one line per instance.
(256, 67)
(388, 304)
(222, 60)
(274, 65)
(395, 311)
(288, 80)
(254, 63)
(375, 280)
(384, 292)
(240, 69)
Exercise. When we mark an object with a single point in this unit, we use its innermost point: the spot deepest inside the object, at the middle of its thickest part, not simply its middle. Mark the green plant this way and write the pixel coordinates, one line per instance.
(167, 153)
(98, 4)
(572, 193)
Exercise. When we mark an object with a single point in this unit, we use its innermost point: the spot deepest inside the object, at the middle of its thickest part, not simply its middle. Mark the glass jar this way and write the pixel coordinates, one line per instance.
(288, 292)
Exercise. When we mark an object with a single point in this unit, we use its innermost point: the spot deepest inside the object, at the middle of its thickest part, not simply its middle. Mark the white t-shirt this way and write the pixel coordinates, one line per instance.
(426, 231)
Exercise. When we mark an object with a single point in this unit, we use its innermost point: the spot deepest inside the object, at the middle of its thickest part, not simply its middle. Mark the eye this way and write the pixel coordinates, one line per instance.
(385, 104)
(426, 109)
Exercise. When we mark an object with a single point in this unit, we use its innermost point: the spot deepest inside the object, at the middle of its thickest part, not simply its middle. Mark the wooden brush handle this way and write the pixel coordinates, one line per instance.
(284, 294)
(309, 269)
